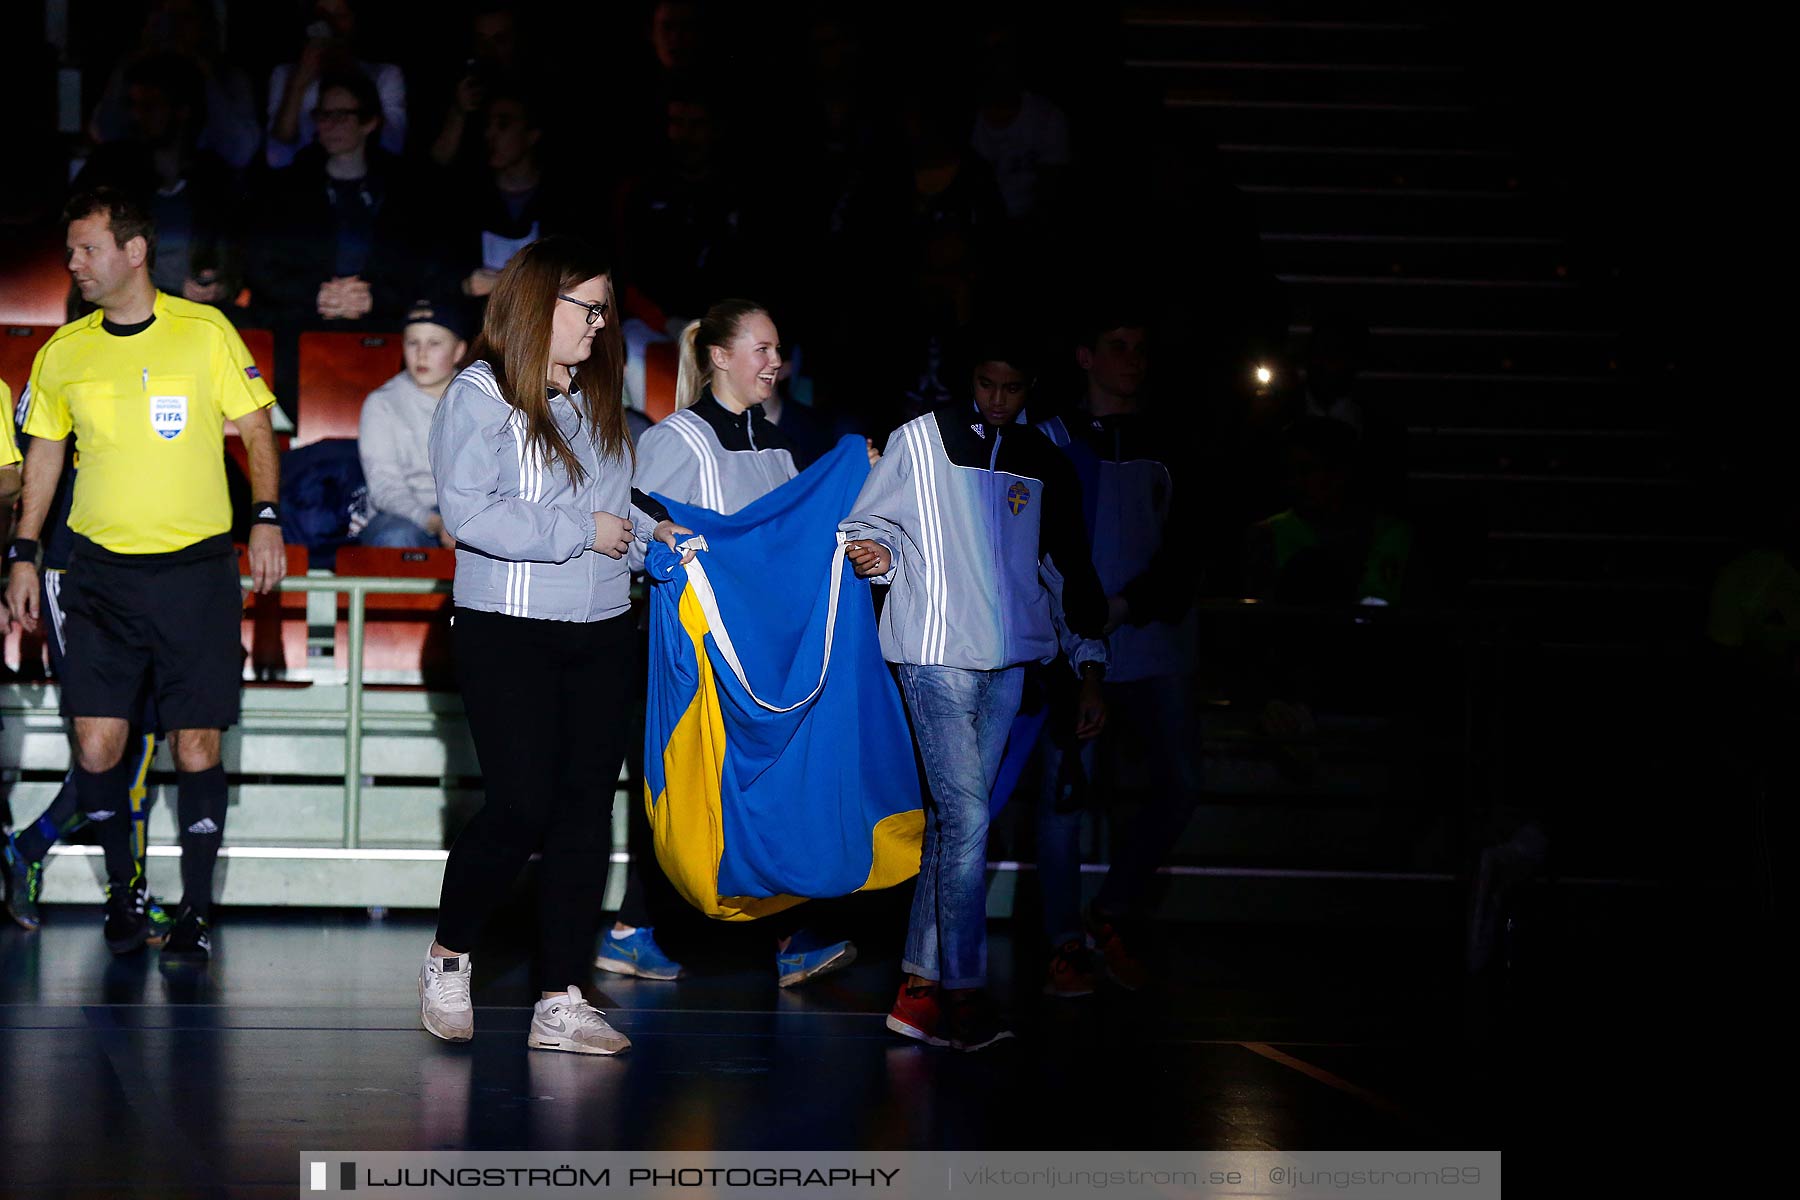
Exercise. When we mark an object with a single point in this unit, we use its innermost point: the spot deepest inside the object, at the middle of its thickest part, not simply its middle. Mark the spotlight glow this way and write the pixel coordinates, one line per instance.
(1264, 375)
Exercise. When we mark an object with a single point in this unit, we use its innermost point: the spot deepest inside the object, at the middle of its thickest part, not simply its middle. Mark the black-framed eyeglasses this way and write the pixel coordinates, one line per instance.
(324, 116)
(595, 311)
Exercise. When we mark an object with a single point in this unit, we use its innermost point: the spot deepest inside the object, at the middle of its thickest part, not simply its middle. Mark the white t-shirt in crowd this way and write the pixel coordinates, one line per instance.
(1037, 138)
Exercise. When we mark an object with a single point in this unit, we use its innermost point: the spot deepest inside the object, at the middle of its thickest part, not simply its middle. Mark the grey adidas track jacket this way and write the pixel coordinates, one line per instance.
(524, 530)
(985, 530)
(713, 458)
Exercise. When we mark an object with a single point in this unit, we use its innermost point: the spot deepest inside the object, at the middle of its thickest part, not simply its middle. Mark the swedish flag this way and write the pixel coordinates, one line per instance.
(778, 766)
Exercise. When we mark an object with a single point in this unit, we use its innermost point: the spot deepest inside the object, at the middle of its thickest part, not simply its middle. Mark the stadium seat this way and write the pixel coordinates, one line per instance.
(337, 373)
(661, 368)
(261, 344)
(27, 656)
(406, 639)
(19, 344)
(34, 280)
(274, 626)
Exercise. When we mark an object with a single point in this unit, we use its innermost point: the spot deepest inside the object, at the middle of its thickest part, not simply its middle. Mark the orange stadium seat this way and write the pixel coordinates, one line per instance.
(274, 628)
(661, 366)
(403, 636)
(19, 344)
(34, 282)
(337, 373)
(27, 655)
(261, 344)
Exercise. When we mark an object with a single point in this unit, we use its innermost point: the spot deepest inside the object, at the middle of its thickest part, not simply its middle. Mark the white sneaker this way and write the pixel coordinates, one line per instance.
(571, 1023)
(445, 1009)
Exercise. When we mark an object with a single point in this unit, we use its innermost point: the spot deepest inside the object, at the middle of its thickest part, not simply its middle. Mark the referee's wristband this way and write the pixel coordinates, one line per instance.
(23, 550)
(265, 512)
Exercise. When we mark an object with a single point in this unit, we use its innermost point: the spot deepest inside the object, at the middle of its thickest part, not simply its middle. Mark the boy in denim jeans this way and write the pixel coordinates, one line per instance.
(975, 520)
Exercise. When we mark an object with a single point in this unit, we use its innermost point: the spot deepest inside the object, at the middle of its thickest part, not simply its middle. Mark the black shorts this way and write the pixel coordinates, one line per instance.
(168, 630)
(143, 718)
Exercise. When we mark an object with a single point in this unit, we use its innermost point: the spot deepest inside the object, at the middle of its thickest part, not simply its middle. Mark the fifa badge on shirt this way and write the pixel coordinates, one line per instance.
(168, 416)
(1017, 497)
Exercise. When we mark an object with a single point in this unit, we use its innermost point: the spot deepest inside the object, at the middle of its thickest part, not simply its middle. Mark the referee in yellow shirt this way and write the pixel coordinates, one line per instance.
(9, 479)
(151, 595)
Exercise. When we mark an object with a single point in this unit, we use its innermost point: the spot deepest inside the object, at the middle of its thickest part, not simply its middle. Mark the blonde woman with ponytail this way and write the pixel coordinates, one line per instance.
(719, 450)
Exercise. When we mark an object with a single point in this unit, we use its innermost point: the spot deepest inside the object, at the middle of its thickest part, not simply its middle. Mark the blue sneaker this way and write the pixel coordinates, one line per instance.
(24, 881)
(796, 965)
(635, 954)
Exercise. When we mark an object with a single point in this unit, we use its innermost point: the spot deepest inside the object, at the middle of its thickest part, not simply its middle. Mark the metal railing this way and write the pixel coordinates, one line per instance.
(356, 590)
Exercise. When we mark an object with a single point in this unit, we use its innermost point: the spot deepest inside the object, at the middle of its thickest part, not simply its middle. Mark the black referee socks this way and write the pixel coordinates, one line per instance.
(104, 798)
(200, 800)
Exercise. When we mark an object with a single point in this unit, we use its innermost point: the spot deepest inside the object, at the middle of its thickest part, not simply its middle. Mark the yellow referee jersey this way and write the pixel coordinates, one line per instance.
(148, 410)
(9, 447)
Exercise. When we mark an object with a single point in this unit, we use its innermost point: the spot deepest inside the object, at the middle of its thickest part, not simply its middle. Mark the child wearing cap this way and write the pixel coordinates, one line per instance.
(396, 426)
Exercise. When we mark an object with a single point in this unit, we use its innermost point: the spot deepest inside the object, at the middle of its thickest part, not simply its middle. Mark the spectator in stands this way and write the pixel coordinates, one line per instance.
(296, 89)
(1335, 546)
(682, 230)
(677, 36)
(1140, 528)
(1754, 616)
(1753, 625)
(228, 126)
(952, 220)
(190, 192)
(394, 436)
(493, 57)
(666, 53)
(347, 234)
(517, 198)
(1020, 134)
(972, 516)
(1335, 355)
(809, 434)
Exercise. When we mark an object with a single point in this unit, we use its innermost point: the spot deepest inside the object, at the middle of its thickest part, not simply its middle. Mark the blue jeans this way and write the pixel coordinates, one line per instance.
(392, 529)
(961, 719)
(1151, 714)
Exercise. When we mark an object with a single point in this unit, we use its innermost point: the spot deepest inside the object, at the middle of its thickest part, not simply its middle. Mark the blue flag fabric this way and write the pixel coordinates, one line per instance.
(778, 761)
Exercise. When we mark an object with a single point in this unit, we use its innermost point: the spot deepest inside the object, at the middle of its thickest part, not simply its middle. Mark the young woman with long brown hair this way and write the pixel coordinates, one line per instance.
(533, 467)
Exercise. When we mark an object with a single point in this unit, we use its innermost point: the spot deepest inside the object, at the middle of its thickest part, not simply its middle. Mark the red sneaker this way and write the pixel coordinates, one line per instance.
(1122, 967)
(916, 1014)
(974, 1023)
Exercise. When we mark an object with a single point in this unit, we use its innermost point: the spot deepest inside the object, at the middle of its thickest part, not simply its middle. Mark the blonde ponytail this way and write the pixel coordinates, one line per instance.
(694, 369)
(690, 377)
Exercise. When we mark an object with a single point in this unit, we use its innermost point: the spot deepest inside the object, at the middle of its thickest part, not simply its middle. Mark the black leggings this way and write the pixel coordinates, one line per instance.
(547, 706)
(650, 899)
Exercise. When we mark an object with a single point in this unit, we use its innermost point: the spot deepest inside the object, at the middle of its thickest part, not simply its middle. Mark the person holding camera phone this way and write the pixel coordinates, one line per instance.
(494, 51)
(533, 465)
(295, 88)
